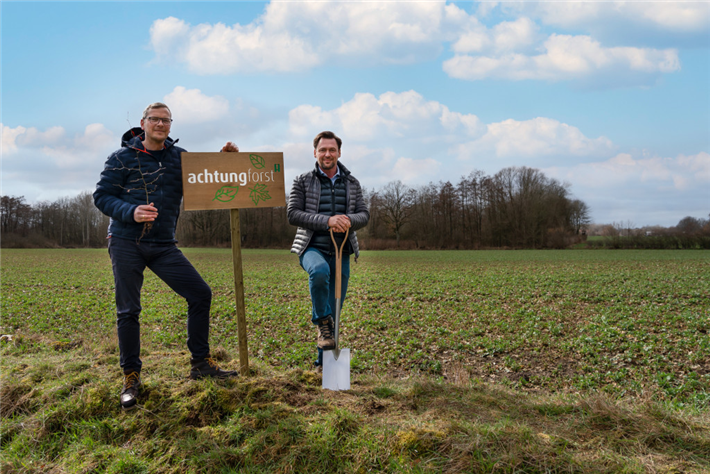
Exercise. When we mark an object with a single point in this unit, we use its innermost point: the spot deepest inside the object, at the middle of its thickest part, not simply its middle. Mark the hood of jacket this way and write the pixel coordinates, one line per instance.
(133, 138)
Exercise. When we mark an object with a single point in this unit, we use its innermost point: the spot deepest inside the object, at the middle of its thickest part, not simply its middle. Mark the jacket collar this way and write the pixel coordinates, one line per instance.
(133, 139)
(344, 172)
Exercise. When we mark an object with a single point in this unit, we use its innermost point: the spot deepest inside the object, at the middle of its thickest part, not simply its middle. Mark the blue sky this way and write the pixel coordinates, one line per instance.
(612, 98)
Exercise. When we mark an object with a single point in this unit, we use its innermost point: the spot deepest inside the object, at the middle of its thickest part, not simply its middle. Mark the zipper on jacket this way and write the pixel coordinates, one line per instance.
(332, 199)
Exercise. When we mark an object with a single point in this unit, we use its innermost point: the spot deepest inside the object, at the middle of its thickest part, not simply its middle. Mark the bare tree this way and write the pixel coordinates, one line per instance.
(579, 215)
(689, 226)
(397, 201)
(14, 214)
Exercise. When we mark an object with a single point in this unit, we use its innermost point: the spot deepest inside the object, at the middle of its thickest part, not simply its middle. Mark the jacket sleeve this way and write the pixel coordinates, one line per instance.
(360, 215)
(296, 210)
(107, 197)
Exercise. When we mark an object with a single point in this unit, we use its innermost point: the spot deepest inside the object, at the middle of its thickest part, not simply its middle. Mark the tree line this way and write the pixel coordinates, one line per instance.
(76, 222)
(518, 207)
(66, 222)
(689, 233)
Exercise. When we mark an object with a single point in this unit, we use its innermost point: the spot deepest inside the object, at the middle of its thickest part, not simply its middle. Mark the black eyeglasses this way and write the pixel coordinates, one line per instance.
(156, 120)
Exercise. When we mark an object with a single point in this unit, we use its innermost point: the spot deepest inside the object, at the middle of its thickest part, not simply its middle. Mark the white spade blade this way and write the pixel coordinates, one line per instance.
(336, 372)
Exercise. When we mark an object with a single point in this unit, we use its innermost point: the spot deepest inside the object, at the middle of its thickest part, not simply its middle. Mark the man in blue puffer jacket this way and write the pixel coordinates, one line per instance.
(141, 190)
(328, 197)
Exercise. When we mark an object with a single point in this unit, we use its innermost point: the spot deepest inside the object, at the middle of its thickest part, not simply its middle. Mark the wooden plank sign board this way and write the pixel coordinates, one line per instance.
(233, 180)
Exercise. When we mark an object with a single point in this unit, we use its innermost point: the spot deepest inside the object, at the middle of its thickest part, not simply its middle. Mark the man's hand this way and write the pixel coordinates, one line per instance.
(145, 213)
(230, 147)
(339, 223)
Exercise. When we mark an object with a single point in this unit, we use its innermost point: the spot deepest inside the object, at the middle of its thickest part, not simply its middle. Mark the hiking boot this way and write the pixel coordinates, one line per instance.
(326, 338)
(207, 367)
(131, 386)
(318, 368)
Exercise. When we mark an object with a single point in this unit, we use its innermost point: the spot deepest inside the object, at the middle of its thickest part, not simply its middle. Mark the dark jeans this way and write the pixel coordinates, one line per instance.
(321, 283)
(129, 259)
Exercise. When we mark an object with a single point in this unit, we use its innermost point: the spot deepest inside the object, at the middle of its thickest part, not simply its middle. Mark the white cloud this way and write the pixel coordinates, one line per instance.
(33, 137)
(680, 172)
(298, 155)
(9, 138)
(537, 138)
(386, 137)
(296, 36)
(410, 170)
(82, 148)
(404, 136)
(205, 122)
(96, 137)
(473, 41)
(191, 106)
(644, 189)
(372, 163)
(661, 15)
(485, 8)
(14, 138)
(168, 35)
(514, 35)
(53, 142)
(681, 16)
(47, 164)
(299, 36)
(696, 165)
(391, 115)
(566, 57)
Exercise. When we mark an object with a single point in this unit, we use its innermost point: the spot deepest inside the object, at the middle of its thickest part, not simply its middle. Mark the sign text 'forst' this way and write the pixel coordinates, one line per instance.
(233, 180)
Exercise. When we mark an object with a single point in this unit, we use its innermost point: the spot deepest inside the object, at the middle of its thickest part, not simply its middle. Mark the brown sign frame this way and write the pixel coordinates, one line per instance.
(242, 180)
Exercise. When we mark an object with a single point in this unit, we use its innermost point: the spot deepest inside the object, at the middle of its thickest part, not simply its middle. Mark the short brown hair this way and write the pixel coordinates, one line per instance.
(155, 105)
(327, 135)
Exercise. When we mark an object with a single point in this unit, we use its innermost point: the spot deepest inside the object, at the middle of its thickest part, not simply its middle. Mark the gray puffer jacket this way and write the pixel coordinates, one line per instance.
(303, 203)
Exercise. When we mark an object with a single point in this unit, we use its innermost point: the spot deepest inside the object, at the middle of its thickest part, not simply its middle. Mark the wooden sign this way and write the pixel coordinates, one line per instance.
(233, 180)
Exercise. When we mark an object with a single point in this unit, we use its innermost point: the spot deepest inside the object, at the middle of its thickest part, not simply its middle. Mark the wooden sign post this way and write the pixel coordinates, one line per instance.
(232, 181)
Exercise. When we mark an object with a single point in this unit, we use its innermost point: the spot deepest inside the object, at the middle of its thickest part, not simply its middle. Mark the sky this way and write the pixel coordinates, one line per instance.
(610, 98)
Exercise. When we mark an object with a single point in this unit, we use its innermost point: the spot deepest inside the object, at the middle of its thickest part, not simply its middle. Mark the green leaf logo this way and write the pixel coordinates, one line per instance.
(257, 161)
(259, 193)
(226, 193)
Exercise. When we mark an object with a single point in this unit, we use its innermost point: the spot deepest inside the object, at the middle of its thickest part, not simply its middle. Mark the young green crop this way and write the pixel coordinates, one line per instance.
(629, 323)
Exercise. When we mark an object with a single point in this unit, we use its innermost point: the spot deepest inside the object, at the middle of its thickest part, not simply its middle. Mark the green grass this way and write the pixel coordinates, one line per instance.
(486, 361)
(623, 322)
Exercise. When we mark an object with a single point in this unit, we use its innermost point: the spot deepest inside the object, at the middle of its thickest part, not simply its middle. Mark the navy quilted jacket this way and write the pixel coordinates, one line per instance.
(131, 177)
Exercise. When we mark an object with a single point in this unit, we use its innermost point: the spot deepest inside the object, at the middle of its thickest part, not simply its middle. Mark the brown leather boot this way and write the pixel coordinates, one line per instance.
(326, 338)
(207, 367)
(131, 387)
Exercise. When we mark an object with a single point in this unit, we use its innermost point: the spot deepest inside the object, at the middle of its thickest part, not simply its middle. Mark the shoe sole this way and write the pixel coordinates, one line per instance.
(224, 377)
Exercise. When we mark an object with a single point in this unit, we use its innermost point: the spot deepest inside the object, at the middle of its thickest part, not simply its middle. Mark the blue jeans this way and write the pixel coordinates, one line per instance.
(129, 259)
(321, 283)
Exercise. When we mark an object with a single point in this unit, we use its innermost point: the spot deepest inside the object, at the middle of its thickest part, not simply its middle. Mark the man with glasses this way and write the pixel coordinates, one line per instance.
(327, 197)
(140, 189)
